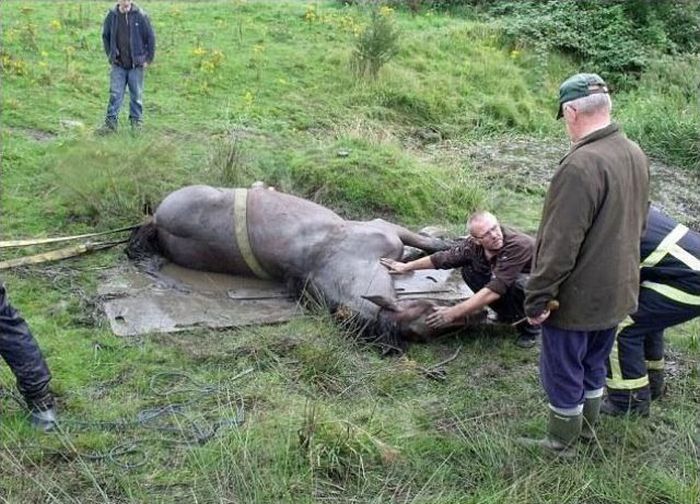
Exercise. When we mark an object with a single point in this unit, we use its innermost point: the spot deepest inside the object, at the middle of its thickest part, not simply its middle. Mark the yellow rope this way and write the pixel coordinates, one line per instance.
(42, 241)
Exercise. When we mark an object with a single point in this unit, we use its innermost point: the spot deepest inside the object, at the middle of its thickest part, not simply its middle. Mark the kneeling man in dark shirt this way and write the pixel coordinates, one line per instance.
(495, 262)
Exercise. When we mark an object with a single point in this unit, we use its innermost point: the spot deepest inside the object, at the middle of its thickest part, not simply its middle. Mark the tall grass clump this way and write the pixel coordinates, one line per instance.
(377, 44)
(110, 182)
(663, 114)
(228, 165)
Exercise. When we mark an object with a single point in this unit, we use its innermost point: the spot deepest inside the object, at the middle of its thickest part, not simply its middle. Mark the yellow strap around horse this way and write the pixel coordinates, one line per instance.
(240, 226)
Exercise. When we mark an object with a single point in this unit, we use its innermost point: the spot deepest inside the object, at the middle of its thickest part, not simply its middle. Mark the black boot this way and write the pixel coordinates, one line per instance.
(528, 335)
(627, 402)
(657, 385)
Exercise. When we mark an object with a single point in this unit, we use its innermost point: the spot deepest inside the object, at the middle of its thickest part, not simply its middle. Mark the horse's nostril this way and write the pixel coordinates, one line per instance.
(432, 278)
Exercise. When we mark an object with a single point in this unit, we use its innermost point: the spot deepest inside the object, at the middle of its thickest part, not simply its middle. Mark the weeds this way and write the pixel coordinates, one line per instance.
(105, 184)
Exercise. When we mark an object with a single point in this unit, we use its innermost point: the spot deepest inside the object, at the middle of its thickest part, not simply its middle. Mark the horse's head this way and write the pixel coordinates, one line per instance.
(408, 315)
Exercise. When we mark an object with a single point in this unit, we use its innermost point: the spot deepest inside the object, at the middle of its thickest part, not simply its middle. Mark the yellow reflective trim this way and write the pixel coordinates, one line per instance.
(622, 384)
(616, 381)
(685, 257)
(615, 370)
(627, 322)
(673, 293)
(671, 239)
(656, 365)
(240, 227)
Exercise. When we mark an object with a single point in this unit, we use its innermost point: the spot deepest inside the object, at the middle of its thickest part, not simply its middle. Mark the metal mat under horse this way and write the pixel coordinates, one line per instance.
(179, 299)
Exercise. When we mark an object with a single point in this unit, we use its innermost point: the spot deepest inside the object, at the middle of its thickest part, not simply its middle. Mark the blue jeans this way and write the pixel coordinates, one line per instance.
(119, 79)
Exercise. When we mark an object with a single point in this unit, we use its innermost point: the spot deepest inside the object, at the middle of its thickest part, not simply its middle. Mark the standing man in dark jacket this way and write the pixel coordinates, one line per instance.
(130, 45)
(495, 262)
(668, 295)
(21, 352)
(586, 257)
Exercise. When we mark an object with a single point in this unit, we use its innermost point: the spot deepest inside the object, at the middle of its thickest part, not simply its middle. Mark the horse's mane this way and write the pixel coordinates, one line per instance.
(379, 331)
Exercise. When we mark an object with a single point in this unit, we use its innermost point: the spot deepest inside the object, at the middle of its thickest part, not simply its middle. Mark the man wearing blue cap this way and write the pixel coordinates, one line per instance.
(586, 258)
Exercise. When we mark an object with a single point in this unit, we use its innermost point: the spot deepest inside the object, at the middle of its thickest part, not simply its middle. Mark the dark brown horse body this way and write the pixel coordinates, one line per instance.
(271, 234)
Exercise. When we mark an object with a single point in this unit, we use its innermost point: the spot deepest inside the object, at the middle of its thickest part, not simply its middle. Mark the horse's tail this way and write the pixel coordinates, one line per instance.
(143, 243)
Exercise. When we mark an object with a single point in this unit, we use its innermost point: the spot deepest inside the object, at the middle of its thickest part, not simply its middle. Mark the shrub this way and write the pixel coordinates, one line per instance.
(618, 38)
(376, 45)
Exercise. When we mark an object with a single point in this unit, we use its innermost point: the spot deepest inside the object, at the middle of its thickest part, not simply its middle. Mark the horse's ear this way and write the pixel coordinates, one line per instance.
(382, 301)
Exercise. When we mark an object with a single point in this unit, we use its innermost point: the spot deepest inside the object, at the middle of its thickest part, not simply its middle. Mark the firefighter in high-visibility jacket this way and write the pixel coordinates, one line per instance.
(669, 294)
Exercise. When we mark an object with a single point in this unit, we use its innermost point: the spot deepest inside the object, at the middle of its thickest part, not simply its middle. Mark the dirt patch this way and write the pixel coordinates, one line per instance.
(526, 165)
(34, 134)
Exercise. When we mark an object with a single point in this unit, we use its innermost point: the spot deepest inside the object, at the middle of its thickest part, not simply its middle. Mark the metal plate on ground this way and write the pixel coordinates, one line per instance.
(432, 284)
(179, 299)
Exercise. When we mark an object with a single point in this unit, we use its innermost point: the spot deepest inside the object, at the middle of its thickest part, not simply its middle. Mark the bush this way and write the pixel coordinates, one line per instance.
(376, 45)
(618, 38)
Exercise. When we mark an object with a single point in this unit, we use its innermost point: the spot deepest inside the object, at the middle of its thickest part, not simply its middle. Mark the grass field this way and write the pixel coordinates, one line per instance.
(244, 91)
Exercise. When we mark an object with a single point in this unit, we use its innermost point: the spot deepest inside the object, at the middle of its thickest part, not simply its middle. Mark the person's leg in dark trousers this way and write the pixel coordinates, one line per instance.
(638, 345)
(654, 357)
(511, 307)
(572, 372)
(21, 352)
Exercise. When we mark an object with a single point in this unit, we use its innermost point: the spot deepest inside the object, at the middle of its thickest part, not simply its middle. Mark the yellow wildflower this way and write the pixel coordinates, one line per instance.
(386, 11)
(55, 24)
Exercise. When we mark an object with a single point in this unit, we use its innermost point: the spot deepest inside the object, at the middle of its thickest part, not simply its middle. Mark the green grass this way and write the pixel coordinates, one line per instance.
(245, 91)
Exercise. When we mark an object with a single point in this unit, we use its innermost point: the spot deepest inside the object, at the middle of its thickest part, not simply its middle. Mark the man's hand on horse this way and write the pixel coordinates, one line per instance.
(394, 267)
(441, 317)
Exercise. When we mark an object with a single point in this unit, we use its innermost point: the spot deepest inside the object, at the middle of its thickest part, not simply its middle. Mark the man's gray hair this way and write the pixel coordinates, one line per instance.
(592, 103)
(478, 216)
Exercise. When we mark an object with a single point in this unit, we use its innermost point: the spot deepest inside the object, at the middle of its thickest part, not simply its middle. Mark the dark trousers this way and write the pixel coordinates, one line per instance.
(573, 362)
(510, 306)
(639, 345)
(21, 352)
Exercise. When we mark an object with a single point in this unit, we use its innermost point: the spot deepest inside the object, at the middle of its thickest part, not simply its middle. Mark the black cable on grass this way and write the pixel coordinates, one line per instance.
(196, 434)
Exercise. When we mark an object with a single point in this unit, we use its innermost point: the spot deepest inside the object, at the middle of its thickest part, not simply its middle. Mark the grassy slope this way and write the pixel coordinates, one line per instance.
(325, 419)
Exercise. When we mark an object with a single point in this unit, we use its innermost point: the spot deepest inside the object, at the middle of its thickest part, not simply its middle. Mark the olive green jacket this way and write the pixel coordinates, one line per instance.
(587, 247)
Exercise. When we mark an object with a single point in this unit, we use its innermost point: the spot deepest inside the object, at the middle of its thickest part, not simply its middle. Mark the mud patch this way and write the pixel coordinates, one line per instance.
(35, 134)
(526, 165)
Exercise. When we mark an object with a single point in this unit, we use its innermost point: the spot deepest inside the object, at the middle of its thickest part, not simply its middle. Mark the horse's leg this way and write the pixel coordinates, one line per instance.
(428, 244)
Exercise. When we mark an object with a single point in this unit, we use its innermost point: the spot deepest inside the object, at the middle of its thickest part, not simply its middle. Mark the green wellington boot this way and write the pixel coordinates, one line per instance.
(591, 412)
(562, 433)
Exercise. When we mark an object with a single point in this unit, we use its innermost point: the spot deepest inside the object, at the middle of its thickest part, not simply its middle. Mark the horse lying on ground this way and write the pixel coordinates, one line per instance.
(274, 235)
